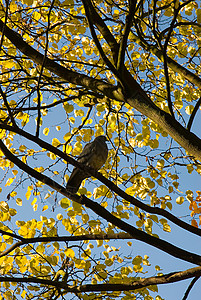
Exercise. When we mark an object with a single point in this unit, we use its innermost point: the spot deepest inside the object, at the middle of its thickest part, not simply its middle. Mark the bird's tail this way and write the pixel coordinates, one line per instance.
(75, 181)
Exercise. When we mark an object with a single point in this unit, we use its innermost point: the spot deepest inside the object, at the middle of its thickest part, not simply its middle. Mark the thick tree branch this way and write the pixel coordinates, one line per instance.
(70, 76)
(108, 183)
(139, 100)
(141, 235)
(189, 141)
(175, 66)
(73, 238)
(107, 287)
(99, 210)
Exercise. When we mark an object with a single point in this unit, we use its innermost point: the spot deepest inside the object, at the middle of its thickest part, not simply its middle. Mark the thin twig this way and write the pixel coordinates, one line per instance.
(98, 45)
(3, 30)
(41, 72)
(176, 11)
(190, 287)
(3, 95)
(123, 43)
(190, 122)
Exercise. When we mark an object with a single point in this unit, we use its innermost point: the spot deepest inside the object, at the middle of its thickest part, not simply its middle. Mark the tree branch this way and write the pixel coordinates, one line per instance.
(123, 43)
(99, 210)
(3, 95)
(107, 182)
(70, 76)
(84, 237)
(190, 287)
(107, 287)
(99, 47)
(175, 66)
(41, 71)
(190, 122)
(139, 99)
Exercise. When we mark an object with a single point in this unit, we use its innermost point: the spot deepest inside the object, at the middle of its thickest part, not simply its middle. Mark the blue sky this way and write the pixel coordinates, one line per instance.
(177, 236)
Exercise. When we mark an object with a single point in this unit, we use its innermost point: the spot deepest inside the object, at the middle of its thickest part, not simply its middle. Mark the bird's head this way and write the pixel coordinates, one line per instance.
(102, 138)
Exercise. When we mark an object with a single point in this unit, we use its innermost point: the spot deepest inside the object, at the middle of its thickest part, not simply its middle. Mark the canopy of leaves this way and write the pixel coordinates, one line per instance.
(73, 70)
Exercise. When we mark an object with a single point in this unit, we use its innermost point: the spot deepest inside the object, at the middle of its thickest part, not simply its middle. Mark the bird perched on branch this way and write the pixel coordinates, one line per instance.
(94, 155)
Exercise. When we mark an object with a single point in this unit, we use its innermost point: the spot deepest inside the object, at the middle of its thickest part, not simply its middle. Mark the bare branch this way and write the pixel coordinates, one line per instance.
(190, 122)
(3, 95)
(190, 287)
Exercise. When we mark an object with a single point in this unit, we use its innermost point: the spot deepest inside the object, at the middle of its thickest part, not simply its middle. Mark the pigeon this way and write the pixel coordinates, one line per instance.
(94, 155)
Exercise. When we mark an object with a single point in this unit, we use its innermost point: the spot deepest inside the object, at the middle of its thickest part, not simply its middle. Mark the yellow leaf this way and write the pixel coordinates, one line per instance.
(55, 142)
(9, 181)
(180, 200)
(22, 148)
(45, 208)
(69, 252)
(154, 144)
(93, 223)
(68, 107)
(40, 249)
(59, 217)
(67, 136)
(34, 201)
(36, 15)
(35, 207)
(46, 131)
(79, 113)
(102, 190)
(67, 148)
(28, 195)
(13, 7)
(19, 202)
(65, 203)
(166, 227)
(24, 159)
(23, 294)
(51, 155)
(189, 109)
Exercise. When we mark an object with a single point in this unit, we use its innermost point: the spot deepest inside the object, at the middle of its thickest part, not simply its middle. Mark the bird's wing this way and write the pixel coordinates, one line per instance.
(87, 153)
(94, 155)
(77, 175)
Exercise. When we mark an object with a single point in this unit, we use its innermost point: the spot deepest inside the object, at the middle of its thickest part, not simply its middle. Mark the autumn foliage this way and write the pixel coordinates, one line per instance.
(70, 71)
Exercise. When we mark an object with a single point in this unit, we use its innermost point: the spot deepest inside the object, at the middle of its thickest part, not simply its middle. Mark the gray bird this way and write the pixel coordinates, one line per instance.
(94, 155)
